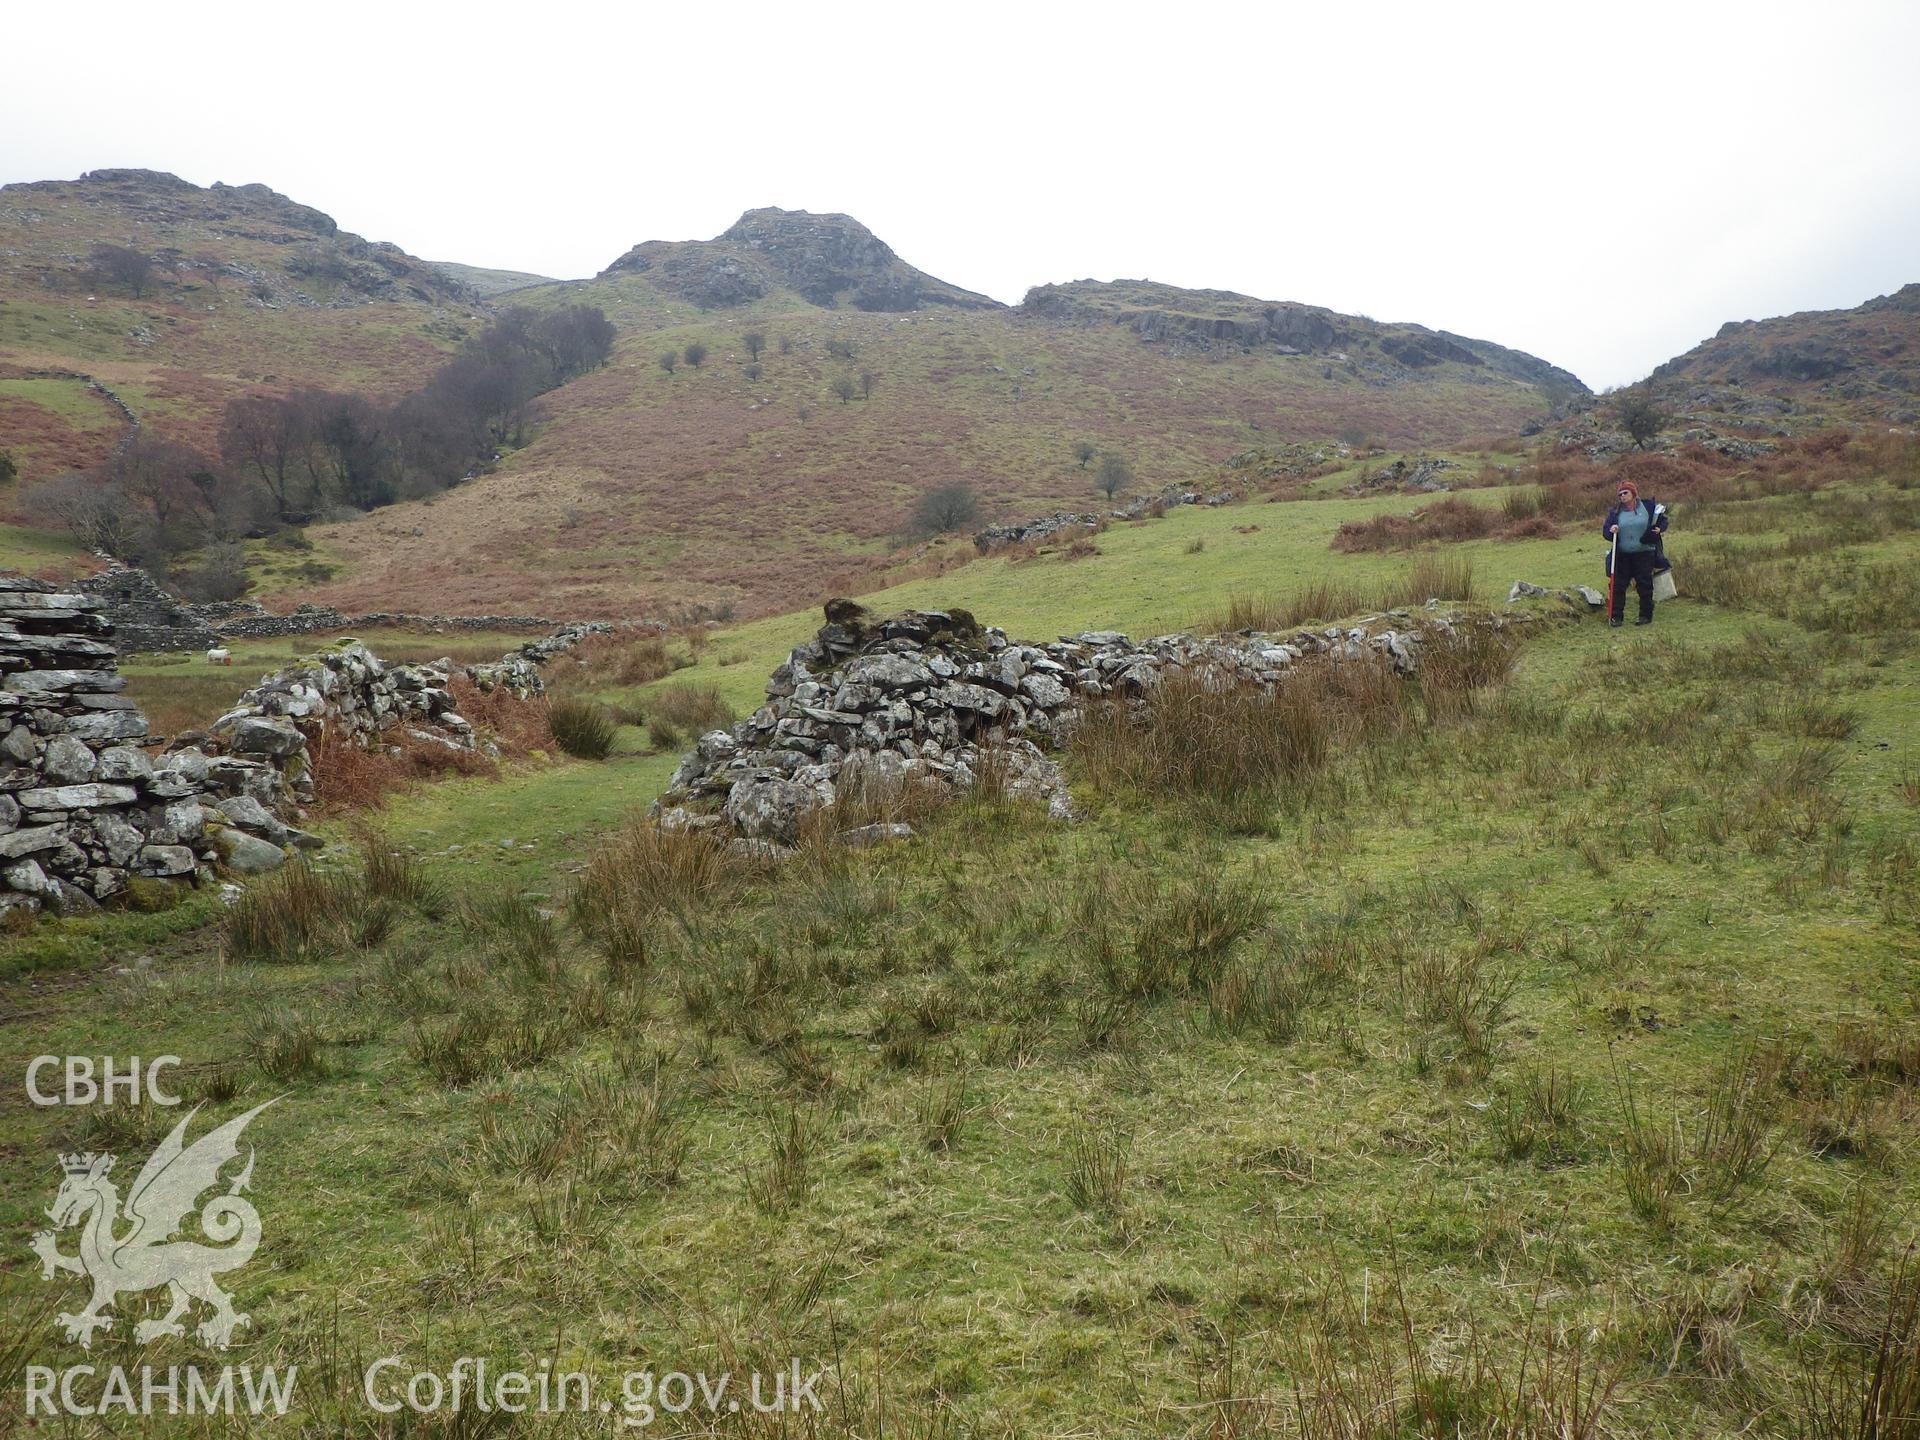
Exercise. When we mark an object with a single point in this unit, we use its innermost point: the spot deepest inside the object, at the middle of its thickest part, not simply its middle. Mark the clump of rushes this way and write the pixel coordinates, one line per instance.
(582, 728)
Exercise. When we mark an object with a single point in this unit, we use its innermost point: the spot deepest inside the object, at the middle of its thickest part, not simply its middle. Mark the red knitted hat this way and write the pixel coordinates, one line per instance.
(1629, 485)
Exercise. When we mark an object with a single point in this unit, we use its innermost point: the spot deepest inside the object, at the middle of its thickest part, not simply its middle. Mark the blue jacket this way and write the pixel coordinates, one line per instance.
(1656, 528)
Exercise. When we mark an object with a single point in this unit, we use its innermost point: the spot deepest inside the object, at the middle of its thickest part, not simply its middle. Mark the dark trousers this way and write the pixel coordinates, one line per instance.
(1633, 567)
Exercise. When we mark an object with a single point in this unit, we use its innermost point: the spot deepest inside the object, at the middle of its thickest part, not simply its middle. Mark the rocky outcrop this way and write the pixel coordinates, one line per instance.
(829, 260)
(1422, 475)
(285, 253)
(1805, 370)
(85, 812)
(872, 705)
(1211, 320)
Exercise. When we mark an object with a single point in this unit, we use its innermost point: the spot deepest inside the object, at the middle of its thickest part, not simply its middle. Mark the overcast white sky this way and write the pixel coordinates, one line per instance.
(1602, 185)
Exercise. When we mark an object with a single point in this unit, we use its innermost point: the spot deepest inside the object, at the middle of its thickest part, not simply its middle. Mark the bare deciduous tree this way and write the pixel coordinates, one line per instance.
(669, 360)
(1113, 476)
(944, 508)
(755, 343)
(844, 388)
(97, 513)
(1083, 451)
(122, 265)
(696, 354)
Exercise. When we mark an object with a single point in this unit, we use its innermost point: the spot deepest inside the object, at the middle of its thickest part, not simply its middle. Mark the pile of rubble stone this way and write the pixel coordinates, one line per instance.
(874, 704)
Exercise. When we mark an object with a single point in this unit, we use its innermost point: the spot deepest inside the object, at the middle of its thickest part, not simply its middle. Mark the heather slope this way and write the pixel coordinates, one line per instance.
(746, 485)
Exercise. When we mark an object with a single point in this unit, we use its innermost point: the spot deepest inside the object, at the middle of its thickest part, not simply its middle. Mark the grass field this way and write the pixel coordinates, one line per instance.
(1544, 1063)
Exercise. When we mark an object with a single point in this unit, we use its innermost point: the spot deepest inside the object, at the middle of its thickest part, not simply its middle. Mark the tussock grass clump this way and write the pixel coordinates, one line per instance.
(622, 658)
(647, 871)
(1202, 738)
(294, 914)
(1149, 933)
(943, 1111)
(675, 712)
(1237, 750)
(286, 1045)
(783, 1179)
(1358, 1381)
(1431, 577)
(1456, 670)
(1869, 1391)
(1099, 1160)
(388, 874)
(582, 728)
(1537, 1116)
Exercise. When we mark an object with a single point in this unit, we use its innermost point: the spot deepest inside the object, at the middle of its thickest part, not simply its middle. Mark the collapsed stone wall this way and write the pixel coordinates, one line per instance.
(873, 704)
(996, 536)
(84, 811)
(242, 620)
(352, 692)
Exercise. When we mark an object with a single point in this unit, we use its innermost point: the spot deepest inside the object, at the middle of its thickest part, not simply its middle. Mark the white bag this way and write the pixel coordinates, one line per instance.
(1663, 586)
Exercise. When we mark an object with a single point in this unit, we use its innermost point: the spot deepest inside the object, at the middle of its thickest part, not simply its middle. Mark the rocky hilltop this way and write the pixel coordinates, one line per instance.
(282, 251)
(832, 261)
(1798, 370)
(1204, 320)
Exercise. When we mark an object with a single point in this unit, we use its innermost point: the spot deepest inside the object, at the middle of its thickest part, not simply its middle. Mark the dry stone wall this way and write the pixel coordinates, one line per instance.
(84, 811)
(996, 536)
(87, 813)
(143, 616)
(360, 697)
(873, 704)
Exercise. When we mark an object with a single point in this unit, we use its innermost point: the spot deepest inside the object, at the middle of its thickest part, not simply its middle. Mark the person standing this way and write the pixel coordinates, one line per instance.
(1635, 526)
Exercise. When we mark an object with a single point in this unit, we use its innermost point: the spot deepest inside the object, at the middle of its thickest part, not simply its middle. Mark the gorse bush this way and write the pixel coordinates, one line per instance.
(582, 728)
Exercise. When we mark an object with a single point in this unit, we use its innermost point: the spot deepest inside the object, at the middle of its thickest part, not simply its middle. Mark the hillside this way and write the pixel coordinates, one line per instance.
(1797, 371)
(1446, 1078)
(244, 288)
(488, 283)
(747, 485)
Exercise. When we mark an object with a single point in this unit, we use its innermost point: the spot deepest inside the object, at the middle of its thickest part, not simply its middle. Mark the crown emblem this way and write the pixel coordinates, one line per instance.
(82, 1164)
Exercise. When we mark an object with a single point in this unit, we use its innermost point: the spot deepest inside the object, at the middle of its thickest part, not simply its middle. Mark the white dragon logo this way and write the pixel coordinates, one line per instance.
(147, 1255)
